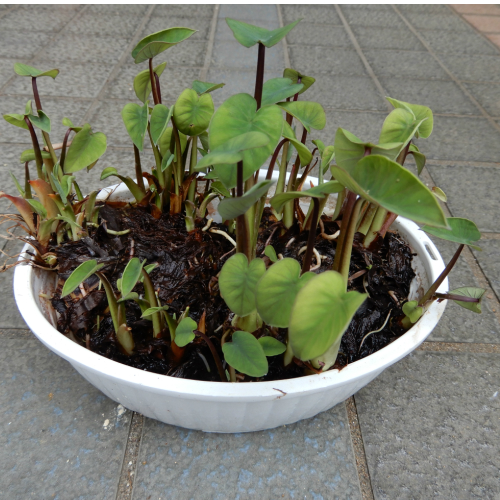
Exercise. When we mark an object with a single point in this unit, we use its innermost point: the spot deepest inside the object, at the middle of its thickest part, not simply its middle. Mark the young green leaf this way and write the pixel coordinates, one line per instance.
(420, 113)
(272, 346)
(166, 140)
(270, 252)
(439, 194)
(419, 158)
(218, 187)
(277, 289)
(131, 275)
(142, 82)
(42, 121)
(230, 208)
(184, 333)
(86, 148)
(153, 310)
(16, 120)
(25, 70)
(37, 207)
(304, 154)
(248, 34)
(393, 187)
(472, 292)
(18, 186)
(125, 338)
(135, 118)
(192, 112)
(29, 155)
(400, 126)
(310, 114)
(131, 296)
(166, 161)
(307, 81)
(321, 314)
(159, 121)
(412, 310)
(154, 44)
(245, 354)
(326, 158)
(238, 281)
(460, 230)
(205, 87)
(278, 89)
(79, 275)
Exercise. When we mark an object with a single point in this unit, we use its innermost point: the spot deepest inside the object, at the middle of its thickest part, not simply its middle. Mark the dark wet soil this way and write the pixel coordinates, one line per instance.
(186, 276)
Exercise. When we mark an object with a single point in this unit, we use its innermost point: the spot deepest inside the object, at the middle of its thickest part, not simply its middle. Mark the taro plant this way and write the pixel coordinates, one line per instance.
(280, 306)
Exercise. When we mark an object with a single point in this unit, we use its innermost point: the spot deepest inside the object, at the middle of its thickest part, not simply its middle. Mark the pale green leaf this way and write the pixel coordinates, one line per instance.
(278, 89)
(294, 75)
(86, 148)
(135, 118)
(420, 113)
(131, 275)
(248, 34)
(25, 70)
(272, 346)
(159, 121)
(460, 230)
(184, 333)
(245, 354)
(192, 112)
(142, 82)
(79, 275)
(270, 252)
(472, 292)
(205, 87)
(230, 208)
(310, 114)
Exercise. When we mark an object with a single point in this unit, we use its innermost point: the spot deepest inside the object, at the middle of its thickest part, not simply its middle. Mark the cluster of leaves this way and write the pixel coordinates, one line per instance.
(227, 147)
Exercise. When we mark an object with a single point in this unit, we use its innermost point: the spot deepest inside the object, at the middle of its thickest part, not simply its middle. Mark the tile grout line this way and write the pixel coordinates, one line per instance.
(471, 347)
(118, 65)
(445, 68)
(283, 41)
(130, 457)
(51, 40)
(363, 58)
(358, 447)
(210, 44)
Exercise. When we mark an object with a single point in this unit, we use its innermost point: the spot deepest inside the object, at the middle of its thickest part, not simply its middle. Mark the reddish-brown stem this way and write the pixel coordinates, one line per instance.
(442, 276)
(215, 354)
(296, 96)
(306, 264)
(36, 148)
(38, 103)
(274, 158)
(242, 236)
(138, 168)
(153, 82)
(391, 217)
(349, 205)
(158, 90)
(239, 179)
(451, 296)
(63, 148)
(259, 78)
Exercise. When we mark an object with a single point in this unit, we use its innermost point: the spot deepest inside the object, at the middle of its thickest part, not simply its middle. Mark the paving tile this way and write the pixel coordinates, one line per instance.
(474, 68)
(487, 94)
(425, 8)
(476, 9)
(319, 34)
(202, 24)
(436, 21)
(184, 10)
(314, 60)
(61, 438)
(325, 14)
(430, 427)
(370, 37)
(49, 18)
(472, 192)
(459, 324)
(450, 42)
(7, 69)
(405, 64)
(115, 9)
(74, 79)
(87, 48)
(345, 92)
(251, 14)
(231, 54)
(495, 39)
(441, 96)
(487, 24)
(123, 25)
(379, 18)
(309, 459)
(21, 44)
(489, 260)
(56, 109)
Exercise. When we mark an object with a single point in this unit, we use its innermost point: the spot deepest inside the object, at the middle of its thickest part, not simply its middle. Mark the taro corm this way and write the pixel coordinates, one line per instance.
(272, 290)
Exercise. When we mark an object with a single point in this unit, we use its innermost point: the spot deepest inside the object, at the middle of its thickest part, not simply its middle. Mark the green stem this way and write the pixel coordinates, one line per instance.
(367, 219)
(338, 206)
(150, 295)
(376, 225)
(179, 175)
(351, 200)
(306, 264)
(112, 302)
(205, 202)
(348, 241)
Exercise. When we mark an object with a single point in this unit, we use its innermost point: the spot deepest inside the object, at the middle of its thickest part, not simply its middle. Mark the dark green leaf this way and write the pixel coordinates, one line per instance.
(278, 89)
(86, 148)
(461, 231)
(248, 34)
(230, 208)
(272, 346)
(79, 275)
(245, 354)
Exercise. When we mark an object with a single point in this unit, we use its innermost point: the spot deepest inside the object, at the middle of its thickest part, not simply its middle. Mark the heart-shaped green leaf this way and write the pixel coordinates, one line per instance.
(277, 289)
(420, 113)
(245, 354)
(270, 252)
(399, 126)
(237, 116)
(278, 201)
(349, 149)
(184, 333)
(131, 275)
(205, 87)
(86, 148)
(472, 292)
(159, 121)
(321, 314)
(29, 155)
(142, 82)
(16, 120)
(462, 231)
(310, 114)
(304, 154)
(412, 310)
(79, 275)
(42, 121)
(25, 70)
(294, 75)
(166, 140)
(230, 208)
(272, 346)
(152, 45)
(135, 118)
(192, 112)
(393, 187)
(248, 34)
(278, 89)
(237, 282)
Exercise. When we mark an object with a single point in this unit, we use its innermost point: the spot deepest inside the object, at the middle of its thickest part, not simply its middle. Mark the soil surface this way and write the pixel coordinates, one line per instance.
(186, 276)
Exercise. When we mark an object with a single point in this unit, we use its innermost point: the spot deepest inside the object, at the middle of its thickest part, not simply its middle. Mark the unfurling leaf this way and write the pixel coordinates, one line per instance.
(79, 275)
(159, 121)
(439, 194)
(245, 354)
(304, 154)
(272, 346)
(462, 231)
(142, 82)
(248, 34)
(420, 113)
(270, 252)
(412, 310)
(42, 121)
(184, 333)
(307, 81)
(400, 126)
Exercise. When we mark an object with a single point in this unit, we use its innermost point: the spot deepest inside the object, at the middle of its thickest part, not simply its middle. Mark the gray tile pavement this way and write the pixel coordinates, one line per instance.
(427, 424)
